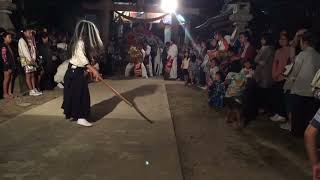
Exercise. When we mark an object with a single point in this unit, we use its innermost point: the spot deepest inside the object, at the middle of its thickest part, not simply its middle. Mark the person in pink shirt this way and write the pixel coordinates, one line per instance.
(281, 60)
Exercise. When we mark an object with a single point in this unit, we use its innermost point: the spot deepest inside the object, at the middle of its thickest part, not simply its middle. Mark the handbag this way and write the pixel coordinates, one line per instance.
(138, 70)
(169, 65)
(289, 78)
(316, 85)
(316, 80)
(288, 69)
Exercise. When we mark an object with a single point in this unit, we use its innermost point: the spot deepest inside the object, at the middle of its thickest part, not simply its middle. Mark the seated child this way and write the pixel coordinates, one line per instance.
(247, 70)
(216, 91)
(233, 98)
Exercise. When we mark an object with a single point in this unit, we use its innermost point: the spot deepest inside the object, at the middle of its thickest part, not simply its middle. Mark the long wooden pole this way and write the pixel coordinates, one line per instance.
(127, 101)
(117, 93)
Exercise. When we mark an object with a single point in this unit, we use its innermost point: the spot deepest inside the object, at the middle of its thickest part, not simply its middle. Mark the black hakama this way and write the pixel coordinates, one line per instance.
(76, 99)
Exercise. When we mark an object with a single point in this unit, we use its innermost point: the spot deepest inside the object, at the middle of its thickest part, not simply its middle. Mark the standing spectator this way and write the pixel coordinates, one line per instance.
(27, 53)
(216, 91)
(263, 72)
(46, 54)
(164, 56)
(247, 52)
(296, 49)
(235, 82)
(158, 63)
(281, 60)
(148, 59)
(203, 66)
(193, 68)
(249, 94)
(8, 65)
(185, 66)
(306, 65)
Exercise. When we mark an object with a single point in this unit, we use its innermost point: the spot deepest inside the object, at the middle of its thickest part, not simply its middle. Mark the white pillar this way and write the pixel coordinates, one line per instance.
(167, 33)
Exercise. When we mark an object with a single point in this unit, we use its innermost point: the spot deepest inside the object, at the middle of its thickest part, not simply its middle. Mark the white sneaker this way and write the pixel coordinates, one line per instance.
(60, 86)
(33, 93)
(84, 122)
(38, 92)
(273, 117)
(286, 126)
(278, 118)
(204, 87)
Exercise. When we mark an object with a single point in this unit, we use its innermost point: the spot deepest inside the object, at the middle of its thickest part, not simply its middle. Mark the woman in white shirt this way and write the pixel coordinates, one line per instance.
(27, 54)
(86, 44)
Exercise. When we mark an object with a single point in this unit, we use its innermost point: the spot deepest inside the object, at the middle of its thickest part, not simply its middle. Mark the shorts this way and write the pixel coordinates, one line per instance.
(315, 122)
(233, 102)
(30, 69)
(7, 67)
(185, 72)
(193, 73)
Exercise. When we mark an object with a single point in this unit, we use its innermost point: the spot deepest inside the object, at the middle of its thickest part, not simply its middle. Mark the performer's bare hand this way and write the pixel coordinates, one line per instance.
(96, 75)
(98, 78)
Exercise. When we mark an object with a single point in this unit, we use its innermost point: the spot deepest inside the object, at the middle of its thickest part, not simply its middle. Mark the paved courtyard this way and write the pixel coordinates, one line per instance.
(188, 141)
(40, 144)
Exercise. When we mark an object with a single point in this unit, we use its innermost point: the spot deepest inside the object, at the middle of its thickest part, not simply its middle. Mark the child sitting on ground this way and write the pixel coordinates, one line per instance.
(233, 98)
(185, 67)
(247, 70)
(216, 91)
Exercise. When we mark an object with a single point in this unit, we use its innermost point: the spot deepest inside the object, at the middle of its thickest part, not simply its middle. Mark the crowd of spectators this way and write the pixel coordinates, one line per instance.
(272, 78)
(33, 53)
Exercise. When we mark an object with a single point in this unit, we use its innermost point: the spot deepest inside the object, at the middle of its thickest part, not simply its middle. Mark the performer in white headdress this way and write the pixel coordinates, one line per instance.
(85, 46)
(136, 56)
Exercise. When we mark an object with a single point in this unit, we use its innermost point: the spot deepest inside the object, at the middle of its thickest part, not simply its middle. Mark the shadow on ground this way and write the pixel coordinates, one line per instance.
(105, 107)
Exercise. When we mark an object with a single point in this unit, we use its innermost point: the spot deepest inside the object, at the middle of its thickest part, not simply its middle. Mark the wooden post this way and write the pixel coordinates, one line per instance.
(106, 21)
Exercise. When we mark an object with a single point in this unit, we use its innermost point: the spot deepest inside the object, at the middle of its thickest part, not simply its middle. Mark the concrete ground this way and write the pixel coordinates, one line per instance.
(41, 145)
(188, 140)
(211, 150)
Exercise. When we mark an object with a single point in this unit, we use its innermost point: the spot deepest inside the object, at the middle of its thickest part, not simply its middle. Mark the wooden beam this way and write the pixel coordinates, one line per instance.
(146, 8)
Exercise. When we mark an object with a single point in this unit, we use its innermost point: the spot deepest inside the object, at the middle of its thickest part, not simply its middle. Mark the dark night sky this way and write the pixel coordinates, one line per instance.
(63, 13)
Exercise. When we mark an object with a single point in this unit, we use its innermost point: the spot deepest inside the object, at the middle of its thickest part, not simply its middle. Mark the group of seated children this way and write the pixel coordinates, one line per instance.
(229, 91)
